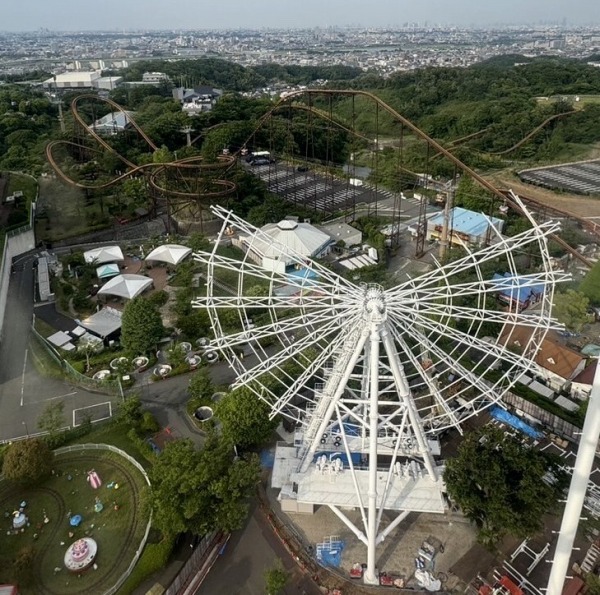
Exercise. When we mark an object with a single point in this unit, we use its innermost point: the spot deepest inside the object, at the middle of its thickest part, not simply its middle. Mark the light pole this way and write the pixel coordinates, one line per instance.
(26, 428)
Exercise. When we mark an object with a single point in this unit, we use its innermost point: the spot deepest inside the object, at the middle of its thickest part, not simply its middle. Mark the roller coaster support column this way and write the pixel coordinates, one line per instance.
(577, 490)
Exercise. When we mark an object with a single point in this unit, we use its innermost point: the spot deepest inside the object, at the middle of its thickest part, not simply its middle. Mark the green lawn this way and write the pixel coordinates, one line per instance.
(117, 530)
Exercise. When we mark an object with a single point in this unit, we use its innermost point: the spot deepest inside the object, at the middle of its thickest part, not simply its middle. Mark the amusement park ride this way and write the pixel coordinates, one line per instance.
(369, 376)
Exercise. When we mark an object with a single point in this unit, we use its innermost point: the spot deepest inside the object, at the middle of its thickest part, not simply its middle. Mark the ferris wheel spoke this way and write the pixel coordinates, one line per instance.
(260, 274)
(488, 253)
(444, 289)
(485, 386)
(286, 327)
(309, 372)
(467, 341)
(275, 301)
(230, 219)
(427, 379)
(434, 311)
(310, 339)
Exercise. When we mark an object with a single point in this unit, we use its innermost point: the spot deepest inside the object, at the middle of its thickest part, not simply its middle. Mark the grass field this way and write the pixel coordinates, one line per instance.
(117, 530)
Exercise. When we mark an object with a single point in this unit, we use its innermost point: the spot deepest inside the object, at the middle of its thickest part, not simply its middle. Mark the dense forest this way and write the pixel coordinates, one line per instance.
(496, 104)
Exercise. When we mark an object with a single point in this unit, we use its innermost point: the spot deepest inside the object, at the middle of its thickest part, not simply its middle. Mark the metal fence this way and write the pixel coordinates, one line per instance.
(138, 553)
(70, 371)
(192, 566)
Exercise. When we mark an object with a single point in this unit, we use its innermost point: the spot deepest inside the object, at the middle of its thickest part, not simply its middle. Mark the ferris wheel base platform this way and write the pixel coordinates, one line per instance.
(301, 492)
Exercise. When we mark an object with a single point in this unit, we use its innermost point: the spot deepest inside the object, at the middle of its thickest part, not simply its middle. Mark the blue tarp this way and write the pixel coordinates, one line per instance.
(330, 554)
(267, 459)
(302, 273)
(517, 288)
(515, 422)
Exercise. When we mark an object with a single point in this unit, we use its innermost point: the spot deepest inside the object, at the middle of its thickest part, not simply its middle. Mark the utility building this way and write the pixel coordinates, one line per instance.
(464, 226)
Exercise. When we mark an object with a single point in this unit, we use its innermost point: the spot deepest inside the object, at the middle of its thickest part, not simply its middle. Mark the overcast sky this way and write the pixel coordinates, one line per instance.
(73, 15)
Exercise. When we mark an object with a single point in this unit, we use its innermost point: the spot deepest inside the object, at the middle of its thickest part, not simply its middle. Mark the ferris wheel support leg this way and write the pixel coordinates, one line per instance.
(404, 394)
(370, 574)
(577, 490)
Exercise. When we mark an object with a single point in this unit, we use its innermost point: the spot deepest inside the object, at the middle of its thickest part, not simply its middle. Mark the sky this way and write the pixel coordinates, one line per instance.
(74, 15)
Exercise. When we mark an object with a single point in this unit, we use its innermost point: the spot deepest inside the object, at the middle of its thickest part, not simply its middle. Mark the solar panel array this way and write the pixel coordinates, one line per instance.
(580, 178)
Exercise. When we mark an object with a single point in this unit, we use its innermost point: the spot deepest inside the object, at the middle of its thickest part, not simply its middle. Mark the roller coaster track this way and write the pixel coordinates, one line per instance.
(227, 162)
(502, 195)
(151, 171)
(532, 133)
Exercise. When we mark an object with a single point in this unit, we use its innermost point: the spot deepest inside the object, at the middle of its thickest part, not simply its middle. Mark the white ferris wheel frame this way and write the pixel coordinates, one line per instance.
(362, 339)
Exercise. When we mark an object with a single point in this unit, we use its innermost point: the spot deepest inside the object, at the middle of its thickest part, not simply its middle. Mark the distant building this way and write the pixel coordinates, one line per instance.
(465, 226)
(196, 100)
(79, 79)
(72, 80)
(108, 83)
(155, 78)
(112, 123)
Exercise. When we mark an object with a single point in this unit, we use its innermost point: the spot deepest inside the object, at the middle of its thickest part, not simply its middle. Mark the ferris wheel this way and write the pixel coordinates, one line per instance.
(370, 376)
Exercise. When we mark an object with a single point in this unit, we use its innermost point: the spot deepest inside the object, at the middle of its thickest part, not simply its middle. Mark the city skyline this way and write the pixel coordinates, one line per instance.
(66, 15)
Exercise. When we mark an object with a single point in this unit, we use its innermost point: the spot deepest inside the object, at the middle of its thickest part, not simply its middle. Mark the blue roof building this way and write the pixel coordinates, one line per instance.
(464, 226)
(517, 291)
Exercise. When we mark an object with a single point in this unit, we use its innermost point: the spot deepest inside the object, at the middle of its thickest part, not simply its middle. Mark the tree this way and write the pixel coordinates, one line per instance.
(498, 483)
(245, 418)
(201, 387)
(141, 327)
(52, 418)
(27, 462)
(570, 307)
(198, 242)
(200, 491)
(590, 285)
(275, 579)
(130, 411)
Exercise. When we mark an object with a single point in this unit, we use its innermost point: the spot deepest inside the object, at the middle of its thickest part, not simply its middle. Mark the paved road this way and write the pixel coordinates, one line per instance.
(24, 394)
(249, 553)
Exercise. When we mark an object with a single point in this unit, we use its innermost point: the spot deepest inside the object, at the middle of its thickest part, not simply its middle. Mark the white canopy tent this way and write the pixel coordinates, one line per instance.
(103, 255)
(169, 253)
(126, 286)
(103, 323)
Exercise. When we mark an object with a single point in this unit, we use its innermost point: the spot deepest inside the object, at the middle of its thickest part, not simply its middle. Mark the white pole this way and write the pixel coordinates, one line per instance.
(370, 574)
(577, 490)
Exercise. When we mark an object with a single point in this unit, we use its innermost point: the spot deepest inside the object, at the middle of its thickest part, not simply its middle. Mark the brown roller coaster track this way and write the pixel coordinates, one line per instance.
(226, 162)
(152, 171)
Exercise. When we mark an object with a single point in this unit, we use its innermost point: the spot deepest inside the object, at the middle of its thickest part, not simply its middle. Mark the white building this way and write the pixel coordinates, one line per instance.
(301, 238)
(73, 80)
(155, 77)
(342, 231)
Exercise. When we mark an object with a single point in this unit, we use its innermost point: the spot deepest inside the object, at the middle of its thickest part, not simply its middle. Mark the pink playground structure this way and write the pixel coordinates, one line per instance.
(94, 479)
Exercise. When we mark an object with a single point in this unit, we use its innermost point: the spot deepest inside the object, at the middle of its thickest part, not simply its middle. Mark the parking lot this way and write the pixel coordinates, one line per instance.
(580, 178)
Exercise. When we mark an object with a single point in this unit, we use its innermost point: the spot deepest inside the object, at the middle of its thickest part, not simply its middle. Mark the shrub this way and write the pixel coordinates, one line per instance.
(158, 299)
(28, 461)
(149, 425)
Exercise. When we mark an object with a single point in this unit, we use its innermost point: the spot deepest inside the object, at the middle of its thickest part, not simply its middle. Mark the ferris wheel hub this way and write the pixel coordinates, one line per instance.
(374, 303)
